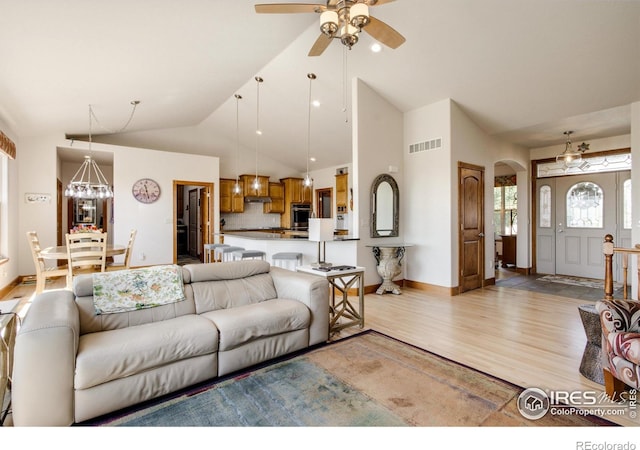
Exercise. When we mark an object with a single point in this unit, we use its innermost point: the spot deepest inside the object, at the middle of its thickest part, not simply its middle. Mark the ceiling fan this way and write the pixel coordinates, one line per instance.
(341, 19)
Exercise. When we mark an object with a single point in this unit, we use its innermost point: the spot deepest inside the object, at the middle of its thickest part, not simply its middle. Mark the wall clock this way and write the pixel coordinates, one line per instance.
(146, 190)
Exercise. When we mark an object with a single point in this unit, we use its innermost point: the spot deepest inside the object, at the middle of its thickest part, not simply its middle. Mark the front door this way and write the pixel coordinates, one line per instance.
(574, 214)
(471, 218)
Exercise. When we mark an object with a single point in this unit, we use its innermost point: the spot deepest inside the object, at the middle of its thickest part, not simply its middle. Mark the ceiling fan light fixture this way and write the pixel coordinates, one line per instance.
(329, 23)
(359, 14)
(349, 35)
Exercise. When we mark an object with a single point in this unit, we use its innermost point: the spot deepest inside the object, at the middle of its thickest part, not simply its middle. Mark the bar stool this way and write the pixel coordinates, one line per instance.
(226, 253)
(284, 259)
(209, 249)
(248, 254)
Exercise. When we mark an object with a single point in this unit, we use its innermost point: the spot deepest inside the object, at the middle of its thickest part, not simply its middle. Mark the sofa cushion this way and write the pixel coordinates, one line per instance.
(113, 354)
(90, 322)
(225, 294)
(244, 324)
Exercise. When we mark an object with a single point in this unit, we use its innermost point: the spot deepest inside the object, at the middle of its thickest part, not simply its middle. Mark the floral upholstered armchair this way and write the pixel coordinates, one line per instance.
(620, 321)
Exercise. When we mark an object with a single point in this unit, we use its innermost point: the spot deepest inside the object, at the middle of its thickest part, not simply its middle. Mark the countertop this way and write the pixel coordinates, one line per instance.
(276, 234)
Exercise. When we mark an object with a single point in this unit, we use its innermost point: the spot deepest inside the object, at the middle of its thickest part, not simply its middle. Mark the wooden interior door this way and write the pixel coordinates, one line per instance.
(206, 235)
(193, 222)
(471, 219)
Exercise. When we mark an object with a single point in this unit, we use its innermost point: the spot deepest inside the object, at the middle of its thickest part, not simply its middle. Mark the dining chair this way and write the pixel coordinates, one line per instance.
(126, 263)
(86, 253)
(43, 272)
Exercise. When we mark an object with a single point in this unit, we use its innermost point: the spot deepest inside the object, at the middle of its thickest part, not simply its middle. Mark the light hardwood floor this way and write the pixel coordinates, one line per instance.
(529, 339)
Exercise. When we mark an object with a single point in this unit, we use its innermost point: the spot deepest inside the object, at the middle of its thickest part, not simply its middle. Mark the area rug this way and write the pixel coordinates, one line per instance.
(578, 281)
(366, 380)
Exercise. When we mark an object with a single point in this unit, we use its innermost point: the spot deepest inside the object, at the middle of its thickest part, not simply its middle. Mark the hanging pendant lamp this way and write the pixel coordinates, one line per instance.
(256, 181)
(237, 189)
(89, 182)
(307, 178)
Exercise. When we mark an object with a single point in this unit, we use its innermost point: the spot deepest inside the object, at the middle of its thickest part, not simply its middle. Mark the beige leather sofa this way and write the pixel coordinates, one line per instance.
(72, 365)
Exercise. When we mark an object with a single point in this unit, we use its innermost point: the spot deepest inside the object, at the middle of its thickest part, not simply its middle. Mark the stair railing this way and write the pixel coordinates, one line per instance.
(609, 249)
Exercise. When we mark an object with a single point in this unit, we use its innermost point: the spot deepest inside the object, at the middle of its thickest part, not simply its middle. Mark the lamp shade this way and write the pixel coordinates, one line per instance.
(320, 230)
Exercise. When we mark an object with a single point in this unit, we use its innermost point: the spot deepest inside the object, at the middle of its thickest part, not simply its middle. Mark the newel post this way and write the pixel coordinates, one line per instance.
(607, 249)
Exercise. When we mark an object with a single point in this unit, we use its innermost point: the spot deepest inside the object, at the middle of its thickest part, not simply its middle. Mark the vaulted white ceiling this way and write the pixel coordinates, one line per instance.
(523, 70)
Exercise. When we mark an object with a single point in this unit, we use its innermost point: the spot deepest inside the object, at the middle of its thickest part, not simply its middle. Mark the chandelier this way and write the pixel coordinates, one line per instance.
(570, 157)
(89, 181)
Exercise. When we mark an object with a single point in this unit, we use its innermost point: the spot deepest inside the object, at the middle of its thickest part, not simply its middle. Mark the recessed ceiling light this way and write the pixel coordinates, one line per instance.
(376, 47)
(316, 103)
(312, 159)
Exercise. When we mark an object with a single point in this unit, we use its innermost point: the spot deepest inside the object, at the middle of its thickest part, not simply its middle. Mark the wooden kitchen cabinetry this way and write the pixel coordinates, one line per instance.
(294, 192)
(342, 189)
(276, 193)
(230, 202)
(249, 191)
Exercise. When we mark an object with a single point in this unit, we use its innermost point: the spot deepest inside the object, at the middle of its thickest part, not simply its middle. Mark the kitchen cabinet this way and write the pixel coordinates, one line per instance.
(230, 202)
(249, 189)
(342, 196)
(276, 193)
(294, 192)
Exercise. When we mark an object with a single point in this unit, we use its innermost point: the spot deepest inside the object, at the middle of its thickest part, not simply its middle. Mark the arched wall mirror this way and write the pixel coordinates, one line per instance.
(384, 206)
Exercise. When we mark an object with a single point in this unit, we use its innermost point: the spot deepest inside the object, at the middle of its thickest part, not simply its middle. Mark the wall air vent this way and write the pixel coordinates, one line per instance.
(431, 144)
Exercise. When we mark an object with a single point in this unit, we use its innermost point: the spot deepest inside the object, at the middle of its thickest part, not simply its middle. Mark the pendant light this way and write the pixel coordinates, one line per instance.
(571, 158)
(89, 182)
(236, 188)
(259, 80)
(307, 178)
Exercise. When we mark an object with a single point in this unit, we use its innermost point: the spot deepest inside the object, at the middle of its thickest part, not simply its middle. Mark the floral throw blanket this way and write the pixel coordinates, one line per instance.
(130, 290)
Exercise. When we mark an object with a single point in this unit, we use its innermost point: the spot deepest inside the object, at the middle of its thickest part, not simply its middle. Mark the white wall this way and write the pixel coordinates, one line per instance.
(38, 169)
(426, 200)
(634, 142)
(154, 222)
(378, 144)
(198, 140)
(9, 236)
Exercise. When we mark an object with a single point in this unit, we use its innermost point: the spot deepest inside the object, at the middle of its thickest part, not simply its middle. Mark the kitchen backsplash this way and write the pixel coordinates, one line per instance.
(252, 217)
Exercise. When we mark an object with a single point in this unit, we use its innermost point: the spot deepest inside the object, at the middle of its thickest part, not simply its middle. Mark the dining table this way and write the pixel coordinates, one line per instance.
(60, 251)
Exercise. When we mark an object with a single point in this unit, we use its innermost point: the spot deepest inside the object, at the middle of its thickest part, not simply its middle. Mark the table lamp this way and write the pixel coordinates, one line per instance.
(320, 231)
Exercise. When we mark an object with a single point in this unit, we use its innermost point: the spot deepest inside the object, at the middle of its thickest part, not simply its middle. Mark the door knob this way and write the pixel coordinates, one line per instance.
(480, 234)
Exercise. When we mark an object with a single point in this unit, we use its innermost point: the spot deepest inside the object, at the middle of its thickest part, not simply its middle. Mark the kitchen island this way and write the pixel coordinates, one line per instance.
(342, 250)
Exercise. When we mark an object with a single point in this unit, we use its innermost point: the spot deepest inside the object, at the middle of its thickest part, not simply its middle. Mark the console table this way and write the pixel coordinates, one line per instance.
(342, 312)
(389, 257)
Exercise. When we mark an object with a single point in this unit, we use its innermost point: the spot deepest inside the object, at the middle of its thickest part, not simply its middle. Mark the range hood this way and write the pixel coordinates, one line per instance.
(256, 199)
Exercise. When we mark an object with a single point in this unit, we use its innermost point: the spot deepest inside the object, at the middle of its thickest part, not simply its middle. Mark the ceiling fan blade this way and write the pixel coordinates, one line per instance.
(382, 32)
(320, 45)
(289, 8)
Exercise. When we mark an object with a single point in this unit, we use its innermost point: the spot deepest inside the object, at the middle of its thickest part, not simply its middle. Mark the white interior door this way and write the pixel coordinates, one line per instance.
(586, 210)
